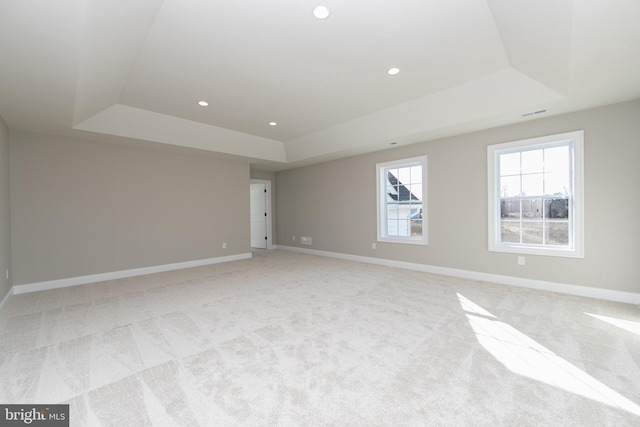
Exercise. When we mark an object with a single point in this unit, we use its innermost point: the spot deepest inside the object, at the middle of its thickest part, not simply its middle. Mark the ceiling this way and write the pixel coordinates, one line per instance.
(133, 71)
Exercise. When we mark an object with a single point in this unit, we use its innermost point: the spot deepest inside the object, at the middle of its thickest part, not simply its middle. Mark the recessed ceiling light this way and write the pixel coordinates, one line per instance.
(203, 103)
(321, 12)
(393, 71)
(273, 124)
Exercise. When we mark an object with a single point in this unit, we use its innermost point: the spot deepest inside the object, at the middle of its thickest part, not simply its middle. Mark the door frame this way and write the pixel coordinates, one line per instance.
(267, 207)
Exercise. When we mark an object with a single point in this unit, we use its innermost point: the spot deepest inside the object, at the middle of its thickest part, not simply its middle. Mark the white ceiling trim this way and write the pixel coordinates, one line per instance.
(498, 93)
(131, 122)
(492, 95)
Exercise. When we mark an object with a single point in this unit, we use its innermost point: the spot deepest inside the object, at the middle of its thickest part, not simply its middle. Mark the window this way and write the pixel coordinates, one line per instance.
(402, 186)
(535, 196)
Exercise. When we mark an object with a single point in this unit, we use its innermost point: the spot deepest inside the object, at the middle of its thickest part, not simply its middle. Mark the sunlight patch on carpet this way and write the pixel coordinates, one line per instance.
(627, 325)
(524, 356)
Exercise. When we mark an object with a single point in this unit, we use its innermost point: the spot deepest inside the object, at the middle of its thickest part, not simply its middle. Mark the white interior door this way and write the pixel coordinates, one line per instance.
(259, 216)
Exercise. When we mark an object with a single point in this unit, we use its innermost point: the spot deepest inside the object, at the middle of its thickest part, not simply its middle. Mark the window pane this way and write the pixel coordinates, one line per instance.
(557, 232)
(416, 174)
(404, 211)
(532, 208)
(404, 176)
(416, 228)
(557, 208)
(416, 211)
(416, 191)
(556, 159)
(532, 161)
(532, 232)
(510, 208)
(510, 164)
(392, 211)
(392, 179)
(510, 231)
(401, 192)
(392, 227)
(556, 183)
(403, 228)
(510, 186)
(532, 185)
(392, 194)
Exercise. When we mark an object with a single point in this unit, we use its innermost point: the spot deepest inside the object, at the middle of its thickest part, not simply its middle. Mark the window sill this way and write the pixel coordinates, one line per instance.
(406, 241)
(532, 250)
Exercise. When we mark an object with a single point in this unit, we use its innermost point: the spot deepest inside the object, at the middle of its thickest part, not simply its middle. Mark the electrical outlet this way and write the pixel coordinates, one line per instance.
(6, 274)
(373, 246)
(520, 260)
(294, 238)
(224, 245)
(305, 240)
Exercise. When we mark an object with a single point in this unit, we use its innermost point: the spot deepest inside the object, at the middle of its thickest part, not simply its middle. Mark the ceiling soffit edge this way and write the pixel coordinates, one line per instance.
(108, 55)
(537, 38)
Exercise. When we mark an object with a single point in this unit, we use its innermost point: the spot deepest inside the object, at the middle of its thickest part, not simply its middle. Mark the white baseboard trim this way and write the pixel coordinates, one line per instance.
(583, 291)
(6, 297)
(93, 278)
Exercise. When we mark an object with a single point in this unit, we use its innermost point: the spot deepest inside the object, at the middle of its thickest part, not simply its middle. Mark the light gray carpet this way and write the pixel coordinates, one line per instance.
(286, 339)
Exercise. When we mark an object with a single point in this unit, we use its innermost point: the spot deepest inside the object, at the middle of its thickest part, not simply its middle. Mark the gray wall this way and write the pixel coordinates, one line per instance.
(335, 202)
(82, 207)
(5, 223)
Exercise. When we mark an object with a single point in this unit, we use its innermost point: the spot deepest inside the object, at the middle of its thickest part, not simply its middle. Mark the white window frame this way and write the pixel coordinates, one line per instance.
(381, 187)
(575, 249)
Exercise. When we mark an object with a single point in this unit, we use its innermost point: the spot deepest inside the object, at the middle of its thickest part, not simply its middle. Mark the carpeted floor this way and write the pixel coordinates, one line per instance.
(287, 339)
